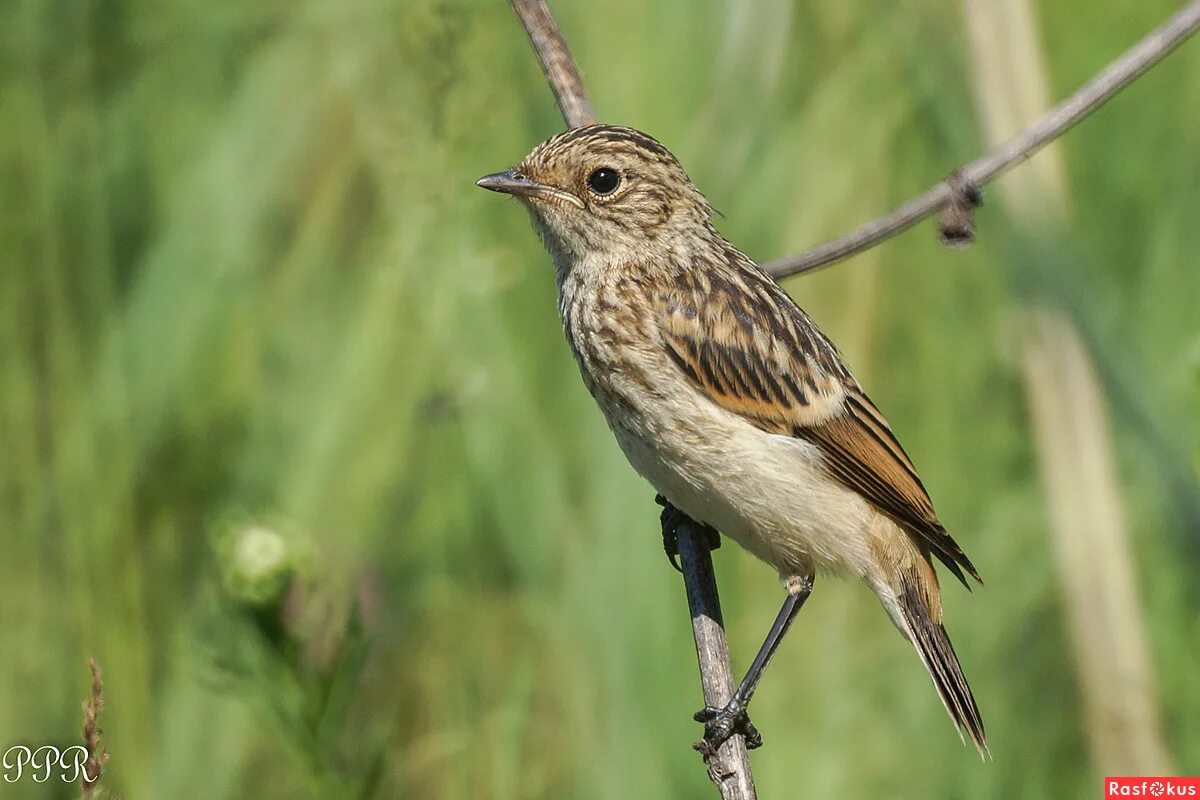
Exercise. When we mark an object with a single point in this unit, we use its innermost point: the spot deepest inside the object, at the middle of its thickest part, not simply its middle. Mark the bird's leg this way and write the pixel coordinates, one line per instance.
(721, 723)
(671, 518)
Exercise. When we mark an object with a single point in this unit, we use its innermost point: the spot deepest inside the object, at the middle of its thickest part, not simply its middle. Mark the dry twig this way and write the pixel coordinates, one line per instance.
(562, 73)
(97, 758)
(729, 767)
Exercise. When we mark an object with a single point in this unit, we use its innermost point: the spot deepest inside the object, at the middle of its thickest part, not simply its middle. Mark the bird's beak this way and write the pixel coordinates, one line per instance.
(520, 185)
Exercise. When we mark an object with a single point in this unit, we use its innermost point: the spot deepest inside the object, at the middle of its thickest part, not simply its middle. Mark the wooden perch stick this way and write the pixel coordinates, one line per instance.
(729, 767)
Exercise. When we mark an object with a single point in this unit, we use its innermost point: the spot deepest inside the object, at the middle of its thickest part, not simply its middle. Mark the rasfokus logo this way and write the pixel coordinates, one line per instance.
(1157, 786)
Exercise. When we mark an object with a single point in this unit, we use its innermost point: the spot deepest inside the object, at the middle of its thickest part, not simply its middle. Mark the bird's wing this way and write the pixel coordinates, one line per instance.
(746, 345)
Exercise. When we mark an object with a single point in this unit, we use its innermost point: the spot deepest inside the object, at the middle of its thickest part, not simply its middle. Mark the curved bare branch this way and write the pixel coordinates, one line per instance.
(1112, 79)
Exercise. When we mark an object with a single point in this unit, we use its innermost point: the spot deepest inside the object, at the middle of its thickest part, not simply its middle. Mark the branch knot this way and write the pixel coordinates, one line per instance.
(956, 225)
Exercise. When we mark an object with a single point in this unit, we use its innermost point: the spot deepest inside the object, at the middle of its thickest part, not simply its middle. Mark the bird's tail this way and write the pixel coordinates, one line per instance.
(922, 625)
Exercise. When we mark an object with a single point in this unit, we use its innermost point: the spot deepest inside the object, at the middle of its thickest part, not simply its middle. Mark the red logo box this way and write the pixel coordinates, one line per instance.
(1116, 787)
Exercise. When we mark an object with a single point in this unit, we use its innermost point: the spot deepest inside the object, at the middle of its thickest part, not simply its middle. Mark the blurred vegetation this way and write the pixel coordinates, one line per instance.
(246, 282)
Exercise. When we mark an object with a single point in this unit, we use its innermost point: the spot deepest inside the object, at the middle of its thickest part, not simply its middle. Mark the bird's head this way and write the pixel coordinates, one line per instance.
(603, 190)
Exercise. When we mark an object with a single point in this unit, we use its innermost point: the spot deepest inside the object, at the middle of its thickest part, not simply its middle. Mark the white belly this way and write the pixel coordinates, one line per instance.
(766, 492)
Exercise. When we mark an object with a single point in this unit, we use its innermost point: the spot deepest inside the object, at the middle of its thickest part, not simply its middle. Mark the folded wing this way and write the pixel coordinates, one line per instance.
(743, 342)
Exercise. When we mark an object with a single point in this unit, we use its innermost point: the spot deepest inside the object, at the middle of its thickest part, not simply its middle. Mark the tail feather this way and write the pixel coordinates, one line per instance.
(933, 645)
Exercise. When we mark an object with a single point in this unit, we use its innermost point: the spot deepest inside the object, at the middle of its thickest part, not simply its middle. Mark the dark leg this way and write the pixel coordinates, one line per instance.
(721, 723)
(671, 518)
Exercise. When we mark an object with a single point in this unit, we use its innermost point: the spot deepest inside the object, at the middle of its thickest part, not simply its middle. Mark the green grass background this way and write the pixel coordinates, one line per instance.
(245, 277)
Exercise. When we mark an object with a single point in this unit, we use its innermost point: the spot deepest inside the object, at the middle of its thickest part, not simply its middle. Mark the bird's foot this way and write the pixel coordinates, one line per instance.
(671, 518)
(722, 723)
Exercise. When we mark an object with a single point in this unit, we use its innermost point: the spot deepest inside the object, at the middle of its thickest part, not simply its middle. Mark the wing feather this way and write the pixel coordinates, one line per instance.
(746, 345)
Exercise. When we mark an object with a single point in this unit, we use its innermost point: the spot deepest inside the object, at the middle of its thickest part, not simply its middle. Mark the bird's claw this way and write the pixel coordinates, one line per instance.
(722, 723)
(671, 518)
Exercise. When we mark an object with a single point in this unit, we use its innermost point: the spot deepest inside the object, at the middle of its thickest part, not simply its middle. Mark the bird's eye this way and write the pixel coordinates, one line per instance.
(604, 181)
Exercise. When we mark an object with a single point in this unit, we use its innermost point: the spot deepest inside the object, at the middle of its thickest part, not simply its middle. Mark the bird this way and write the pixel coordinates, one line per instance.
(729, 400)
